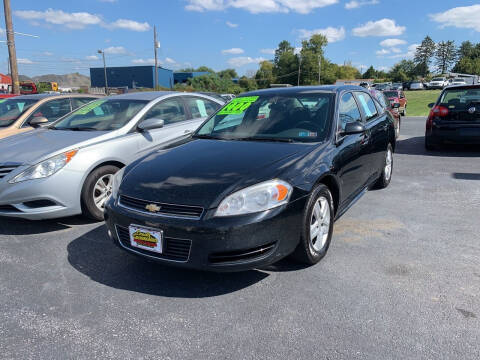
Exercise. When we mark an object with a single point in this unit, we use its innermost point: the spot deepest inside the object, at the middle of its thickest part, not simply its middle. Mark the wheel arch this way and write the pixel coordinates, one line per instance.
(330, 181)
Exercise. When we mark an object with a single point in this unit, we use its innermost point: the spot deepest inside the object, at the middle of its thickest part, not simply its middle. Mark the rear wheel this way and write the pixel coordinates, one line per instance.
(317, 230)
(428, 144)
(404, 112)
(386, 176)
(96, 191)
(397, 129)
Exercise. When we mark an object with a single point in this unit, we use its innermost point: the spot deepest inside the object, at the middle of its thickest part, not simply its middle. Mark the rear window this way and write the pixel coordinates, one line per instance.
(460, 99)
(391, 94)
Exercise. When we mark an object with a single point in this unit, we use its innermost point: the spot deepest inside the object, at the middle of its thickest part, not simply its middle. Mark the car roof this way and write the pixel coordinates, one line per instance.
(45, 96)
(305, 89)
(466, 87)
(145, 95)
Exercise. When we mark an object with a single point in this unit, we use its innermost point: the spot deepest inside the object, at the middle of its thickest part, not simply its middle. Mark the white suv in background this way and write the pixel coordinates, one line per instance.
(438, 83)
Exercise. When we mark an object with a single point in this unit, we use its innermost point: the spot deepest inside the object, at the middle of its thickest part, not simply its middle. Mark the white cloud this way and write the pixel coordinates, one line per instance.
(383, 27)
(130, 25)
(91, 57)
(408, 55)
(382, 52)
(115, 50)
(77, 20)
(355, 4)
(230, 24)
(244, 60)
(256, 6)
(268, 51)
(25, 61)
(332, 34)
(2, 31)
(47, 53)
(465, 17)
(233, 51)
(392, 42)
(144, 61)
(396, 50)
(170, 61)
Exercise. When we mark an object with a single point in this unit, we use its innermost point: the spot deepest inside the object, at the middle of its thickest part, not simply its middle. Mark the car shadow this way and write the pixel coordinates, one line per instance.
(11, 226)
(416, 146)
(95, 256)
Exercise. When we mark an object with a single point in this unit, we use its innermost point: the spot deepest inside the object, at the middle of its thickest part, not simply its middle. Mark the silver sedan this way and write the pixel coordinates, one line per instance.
(67, 168)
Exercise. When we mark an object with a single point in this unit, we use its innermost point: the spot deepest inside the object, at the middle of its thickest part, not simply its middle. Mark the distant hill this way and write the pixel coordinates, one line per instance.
(67, 80)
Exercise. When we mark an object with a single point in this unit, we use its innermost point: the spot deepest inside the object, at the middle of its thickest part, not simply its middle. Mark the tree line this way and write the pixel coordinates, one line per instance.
(309, 66)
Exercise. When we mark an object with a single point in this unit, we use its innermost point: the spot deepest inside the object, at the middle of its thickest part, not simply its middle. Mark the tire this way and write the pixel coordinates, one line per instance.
(386, 175)
(96, 189)
(310, 251)
(404, 112)
(428, 145)
(397, 129)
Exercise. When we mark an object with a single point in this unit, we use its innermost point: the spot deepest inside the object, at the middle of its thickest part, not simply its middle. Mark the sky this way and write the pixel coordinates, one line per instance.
(227, 33)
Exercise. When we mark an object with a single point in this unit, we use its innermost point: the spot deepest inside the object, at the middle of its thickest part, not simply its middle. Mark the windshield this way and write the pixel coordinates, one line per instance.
(437, 79)
(391, 94)
(11, 109)
(101, 115)
(459, 80)
(303, 117)
(460, 99)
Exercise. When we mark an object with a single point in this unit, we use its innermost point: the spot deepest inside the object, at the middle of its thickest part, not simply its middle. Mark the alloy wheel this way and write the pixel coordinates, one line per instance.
(388, 165)
(320, 224)
(102, 191)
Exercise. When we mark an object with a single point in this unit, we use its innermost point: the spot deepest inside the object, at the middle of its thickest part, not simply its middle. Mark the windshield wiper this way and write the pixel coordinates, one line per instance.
(80, 128)
(200, 136)
(268, 139)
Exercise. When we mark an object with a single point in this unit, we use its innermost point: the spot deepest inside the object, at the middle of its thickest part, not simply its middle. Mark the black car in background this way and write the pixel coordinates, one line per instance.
(454, 118)
(263, 178)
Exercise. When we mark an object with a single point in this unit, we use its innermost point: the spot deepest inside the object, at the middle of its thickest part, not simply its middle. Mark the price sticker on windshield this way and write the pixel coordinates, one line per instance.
(2, 100)
(238, 105)
(89, 107)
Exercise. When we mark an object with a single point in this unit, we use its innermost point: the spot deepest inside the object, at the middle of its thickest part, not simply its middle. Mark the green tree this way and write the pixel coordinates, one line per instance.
(228, 74)
(445, 56)
(248, 84)
(264, 75)
(424, 54)
(371, 73)
(311, 55)
(285, 64)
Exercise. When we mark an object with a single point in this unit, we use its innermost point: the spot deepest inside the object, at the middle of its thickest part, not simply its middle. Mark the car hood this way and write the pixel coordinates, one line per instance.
(31, 147)
(201, 172)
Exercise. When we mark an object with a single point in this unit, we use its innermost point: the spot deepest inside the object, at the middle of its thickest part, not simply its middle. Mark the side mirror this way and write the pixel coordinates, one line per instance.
(151, 124)
(396, 105)
(354, 128)
(431, 105)
(38, 121)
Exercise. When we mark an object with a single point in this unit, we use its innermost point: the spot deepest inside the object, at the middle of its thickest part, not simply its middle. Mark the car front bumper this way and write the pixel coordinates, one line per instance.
(213, 243)
(49, 198)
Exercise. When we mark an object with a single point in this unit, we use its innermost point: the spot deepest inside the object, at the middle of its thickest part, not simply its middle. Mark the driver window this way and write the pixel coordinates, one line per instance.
(171, 111)
(348, 111)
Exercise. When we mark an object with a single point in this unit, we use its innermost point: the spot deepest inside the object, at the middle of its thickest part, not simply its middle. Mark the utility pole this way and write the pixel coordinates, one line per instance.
(12, 54)
(156, 45)
(299, 68)
(104, 70)
(319, 69)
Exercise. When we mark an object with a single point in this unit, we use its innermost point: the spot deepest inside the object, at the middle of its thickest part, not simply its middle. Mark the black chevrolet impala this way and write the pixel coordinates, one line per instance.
(263, 178)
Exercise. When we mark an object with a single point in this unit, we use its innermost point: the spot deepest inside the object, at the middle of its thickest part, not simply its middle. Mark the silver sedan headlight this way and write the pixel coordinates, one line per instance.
(45, 168)
(117, 180)
(260, 197)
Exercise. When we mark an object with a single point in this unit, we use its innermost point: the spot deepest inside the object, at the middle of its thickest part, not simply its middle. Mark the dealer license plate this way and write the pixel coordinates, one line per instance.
(146, 239)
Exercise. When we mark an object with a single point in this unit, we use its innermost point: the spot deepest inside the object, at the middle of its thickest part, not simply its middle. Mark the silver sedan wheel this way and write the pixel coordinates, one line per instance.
(388, 164)
(320, 224)
(102, 190)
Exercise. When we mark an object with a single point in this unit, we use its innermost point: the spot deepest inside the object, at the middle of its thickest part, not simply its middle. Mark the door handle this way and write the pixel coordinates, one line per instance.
(365, 139)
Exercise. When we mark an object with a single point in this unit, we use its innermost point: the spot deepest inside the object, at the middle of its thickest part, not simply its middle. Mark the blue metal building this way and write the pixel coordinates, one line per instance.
(182, 77)
(131, 77)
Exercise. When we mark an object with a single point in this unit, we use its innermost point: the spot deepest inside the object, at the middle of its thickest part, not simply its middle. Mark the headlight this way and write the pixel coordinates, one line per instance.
(46, 168)
(117, 180)
(256, 198)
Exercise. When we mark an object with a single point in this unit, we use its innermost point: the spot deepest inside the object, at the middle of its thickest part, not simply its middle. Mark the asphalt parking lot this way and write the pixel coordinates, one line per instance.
(401, 281)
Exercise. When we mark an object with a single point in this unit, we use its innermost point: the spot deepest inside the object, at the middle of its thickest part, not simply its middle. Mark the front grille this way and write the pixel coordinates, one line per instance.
(6, 169)
(193, 212)
(240, 255)
(173, 249)
(8, 208)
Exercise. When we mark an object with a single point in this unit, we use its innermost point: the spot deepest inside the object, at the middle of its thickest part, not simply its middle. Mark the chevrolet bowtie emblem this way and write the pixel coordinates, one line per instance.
(472, 110)
(153, 208)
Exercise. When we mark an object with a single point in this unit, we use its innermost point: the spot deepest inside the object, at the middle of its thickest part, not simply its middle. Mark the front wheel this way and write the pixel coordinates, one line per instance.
(386, 175)
(96, 191)
(317, 229)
